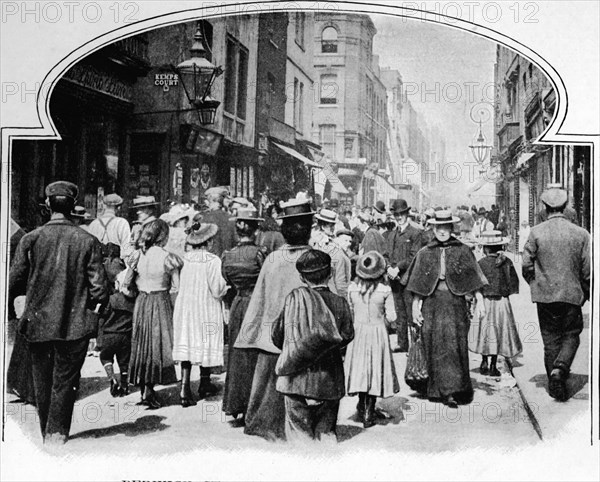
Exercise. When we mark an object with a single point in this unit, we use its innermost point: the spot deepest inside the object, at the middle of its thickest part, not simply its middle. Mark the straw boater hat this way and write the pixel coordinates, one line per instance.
(202, 234)
(296, 207)
(327, 216)
(144, 201)
(492, 238)
(370, 265)
(443, 216)
(80, 212)
(248, 215)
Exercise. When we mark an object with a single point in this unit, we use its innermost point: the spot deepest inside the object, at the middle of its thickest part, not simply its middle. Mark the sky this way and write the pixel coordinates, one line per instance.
(446, 72)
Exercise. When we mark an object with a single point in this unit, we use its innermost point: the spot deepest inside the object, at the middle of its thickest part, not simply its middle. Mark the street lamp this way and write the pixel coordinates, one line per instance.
(197, 75)
(479, 147)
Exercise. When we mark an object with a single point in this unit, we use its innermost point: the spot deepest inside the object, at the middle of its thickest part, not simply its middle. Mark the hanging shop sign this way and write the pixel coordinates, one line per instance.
(166, 80)
(197, 139)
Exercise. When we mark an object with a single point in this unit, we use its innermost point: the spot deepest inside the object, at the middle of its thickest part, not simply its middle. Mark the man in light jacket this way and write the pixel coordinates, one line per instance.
(556, 264)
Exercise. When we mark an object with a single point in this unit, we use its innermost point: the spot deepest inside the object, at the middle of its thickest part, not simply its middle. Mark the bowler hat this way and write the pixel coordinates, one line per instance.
(554, 197)
(492, 238)
(202, 234)
(113, 200)
(296, 207)
(143, 201)
(379, 207)
(327, 216)
(248, 215)
(62, 188)
(481, 211)
(334, 203)
(370, 265)
(443, 216)
(312, 261)
(399, 206)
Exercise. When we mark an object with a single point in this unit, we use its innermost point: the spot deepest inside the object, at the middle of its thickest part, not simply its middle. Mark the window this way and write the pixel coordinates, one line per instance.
(300, 22)
(298, 105)
(236, 78)
(329, 38)
(327, 139)
(329, 89)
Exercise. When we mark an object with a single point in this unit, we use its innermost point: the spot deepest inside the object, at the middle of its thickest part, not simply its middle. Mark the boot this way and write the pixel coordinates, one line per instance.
(369, 419)
(115, 389)
(360, 406)
(124, 384)
(206, 387)
(494, 372)
(150, 399)
(483, 368)
(185, 394)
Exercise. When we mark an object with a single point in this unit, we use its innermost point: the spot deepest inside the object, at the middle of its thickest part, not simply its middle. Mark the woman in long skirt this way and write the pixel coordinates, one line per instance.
(241, 267)
(157, 271)
(440, 277)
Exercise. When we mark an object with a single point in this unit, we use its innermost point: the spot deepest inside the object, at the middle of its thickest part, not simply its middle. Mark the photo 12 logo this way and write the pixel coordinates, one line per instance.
(68, 12)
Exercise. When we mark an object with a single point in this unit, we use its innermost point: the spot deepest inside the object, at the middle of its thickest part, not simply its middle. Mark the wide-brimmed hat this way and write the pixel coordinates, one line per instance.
(370, 265)
(482, 210)
(312, 261)
(327, 216)
(248, 215)
(177, 212)
(202, 234)
(492, 238)
(113, 200)
(399, 206)
(144, 201)
(62, 188)
(429, 213)
(555, 197)
(379, 207)
(443, 216)
(296, 207)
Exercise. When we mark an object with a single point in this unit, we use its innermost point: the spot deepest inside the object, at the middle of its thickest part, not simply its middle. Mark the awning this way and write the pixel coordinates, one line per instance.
(297, 155)
(524, 159)
(330, 175)
(344, 171)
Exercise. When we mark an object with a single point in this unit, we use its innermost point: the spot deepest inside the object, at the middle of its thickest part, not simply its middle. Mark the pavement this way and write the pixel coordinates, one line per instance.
(506, 413)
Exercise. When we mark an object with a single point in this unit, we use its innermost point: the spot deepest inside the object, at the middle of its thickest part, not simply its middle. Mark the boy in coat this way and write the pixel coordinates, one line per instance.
(310, 369)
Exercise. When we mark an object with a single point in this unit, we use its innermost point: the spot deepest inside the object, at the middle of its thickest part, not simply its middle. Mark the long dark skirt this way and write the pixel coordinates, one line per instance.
(151, 359)
(445, 340)
(241, 363)
(19, 378)
(265, 416)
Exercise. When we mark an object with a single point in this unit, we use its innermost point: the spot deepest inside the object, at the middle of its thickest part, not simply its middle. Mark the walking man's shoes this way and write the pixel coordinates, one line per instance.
(557, 387)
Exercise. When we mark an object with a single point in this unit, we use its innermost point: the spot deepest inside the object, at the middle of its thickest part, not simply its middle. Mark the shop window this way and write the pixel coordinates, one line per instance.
(329, 40)
(329, 89)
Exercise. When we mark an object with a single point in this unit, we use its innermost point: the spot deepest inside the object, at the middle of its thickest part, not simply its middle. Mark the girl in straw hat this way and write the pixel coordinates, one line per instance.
(496, 333)
(369, 366)
(198, 315)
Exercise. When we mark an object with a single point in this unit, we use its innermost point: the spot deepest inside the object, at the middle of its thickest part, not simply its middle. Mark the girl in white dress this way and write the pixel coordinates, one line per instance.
(198, 315)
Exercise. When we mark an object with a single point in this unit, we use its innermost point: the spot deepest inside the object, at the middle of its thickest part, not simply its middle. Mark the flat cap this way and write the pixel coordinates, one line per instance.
(312, 261)
(62, 188)
(113, 200)
(554, 197)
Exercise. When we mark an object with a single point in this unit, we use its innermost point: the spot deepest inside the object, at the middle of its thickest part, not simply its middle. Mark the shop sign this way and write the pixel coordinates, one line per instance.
(93, 78)
(166, 80)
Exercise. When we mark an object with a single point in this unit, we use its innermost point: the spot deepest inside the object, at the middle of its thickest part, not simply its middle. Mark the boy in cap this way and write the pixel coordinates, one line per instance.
(112, 229)
(556, 264)
(311, 330)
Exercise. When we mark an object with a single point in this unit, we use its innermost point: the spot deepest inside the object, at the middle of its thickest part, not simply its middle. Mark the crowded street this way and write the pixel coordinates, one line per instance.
(310, 233)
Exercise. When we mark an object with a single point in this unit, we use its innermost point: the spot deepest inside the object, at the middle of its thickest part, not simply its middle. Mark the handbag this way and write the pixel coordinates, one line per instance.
(416, 375)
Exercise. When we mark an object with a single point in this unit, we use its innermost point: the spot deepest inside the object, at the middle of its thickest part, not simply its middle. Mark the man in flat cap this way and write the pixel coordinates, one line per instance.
(110, 228)
(556, 264)
(59, 268)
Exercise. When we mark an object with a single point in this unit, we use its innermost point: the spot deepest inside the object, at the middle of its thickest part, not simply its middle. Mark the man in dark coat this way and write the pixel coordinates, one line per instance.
(59, 268)
(224, 240)
(402, 246)
(556, 264)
